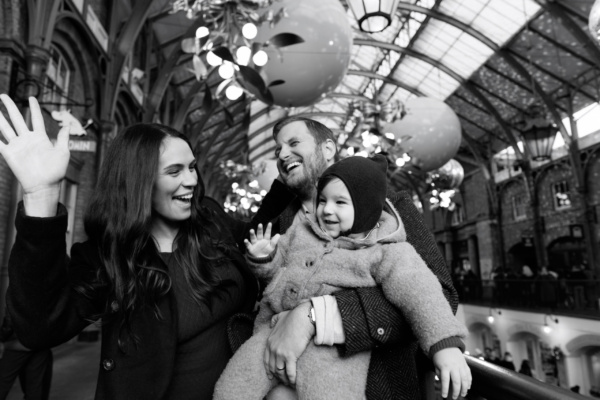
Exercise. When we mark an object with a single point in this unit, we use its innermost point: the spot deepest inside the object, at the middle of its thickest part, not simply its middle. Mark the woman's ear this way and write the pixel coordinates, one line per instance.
(329, 150)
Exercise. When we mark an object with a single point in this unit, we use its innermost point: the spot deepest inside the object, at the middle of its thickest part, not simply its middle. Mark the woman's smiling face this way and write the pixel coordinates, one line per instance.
(175, 181)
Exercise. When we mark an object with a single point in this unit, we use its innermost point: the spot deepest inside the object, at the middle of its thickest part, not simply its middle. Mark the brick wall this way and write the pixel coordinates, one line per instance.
(475, 197)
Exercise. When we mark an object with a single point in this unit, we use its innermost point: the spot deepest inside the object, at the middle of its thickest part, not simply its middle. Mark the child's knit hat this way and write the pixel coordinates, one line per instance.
(366, 181)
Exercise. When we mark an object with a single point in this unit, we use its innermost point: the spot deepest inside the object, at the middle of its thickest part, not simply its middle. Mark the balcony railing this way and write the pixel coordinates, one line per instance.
(491, 382)
(570, 297)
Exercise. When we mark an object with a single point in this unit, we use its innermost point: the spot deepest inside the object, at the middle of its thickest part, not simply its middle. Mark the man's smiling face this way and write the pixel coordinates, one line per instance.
(300, 160)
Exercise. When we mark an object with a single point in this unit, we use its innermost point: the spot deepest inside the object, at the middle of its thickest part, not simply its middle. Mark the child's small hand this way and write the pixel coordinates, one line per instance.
(261, 245)
(451, 366)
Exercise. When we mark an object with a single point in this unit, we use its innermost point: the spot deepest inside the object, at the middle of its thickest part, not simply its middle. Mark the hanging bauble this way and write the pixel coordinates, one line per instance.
(270, 172)
(594, 21)
(299, 74)
(430, 132)
(448, 177)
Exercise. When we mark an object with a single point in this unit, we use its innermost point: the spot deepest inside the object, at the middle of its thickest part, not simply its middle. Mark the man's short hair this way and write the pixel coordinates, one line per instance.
(319, 132)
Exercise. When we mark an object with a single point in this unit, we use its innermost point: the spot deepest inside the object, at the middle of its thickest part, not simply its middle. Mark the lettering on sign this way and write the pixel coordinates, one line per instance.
(86, 146)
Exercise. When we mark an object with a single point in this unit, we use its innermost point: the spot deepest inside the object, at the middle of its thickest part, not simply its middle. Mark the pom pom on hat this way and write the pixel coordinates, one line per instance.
(366, 180)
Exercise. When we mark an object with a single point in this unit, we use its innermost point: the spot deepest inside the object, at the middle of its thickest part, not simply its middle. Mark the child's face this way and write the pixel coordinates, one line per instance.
(335, 211)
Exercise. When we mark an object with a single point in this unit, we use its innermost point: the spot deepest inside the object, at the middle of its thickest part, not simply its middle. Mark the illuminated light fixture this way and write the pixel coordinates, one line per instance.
(538, 134)
(373, 15)
(249, 30)
(202, 32)
(213, 59)
(233, 92)
(243, 54)
(226, 70)
(260, 58)
(490, 317)
(547, 328)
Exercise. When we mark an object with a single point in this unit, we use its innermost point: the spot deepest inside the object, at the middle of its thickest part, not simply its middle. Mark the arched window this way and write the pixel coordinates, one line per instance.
(56, 84)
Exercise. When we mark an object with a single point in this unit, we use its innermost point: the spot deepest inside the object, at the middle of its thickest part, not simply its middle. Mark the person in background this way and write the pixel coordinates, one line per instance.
(32, 367)
(526, 368)
(304, 149)
(525, 283)
(351, 242)
(161, 266)
(507, 361)
(491, 355)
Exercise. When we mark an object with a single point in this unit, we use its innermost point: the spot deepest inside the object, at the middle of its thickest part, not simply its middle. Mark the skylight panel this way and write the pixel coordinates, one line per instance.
(412, 71)
(438, 85)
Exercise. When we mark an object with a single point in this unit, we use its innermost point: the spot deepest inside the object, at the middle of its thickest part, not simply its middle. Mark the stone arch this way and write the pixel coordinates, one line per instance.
(581, 342)
(524, 342)
(481, 335)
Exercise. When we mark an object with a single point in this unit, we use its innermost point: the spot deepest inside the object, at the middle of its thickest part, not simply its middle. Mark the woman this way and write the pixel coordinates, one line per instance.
(161, 267)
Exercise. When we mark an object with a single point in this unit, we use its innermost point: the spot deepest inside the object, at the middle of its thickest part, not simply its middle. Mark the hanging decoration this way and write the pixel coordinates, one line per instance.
(373, 115)
(246, 195)
(68, 122)
(366, 139)
(449, 176)
(594, 21)
(430, 133)
(299, 74)
(266, 173)
(226, 43)
(443, 183)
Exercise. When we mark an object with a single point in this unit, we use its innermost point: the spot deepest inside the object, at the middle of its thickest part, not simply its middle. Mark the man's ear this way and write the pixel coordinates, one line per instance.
(329, 150)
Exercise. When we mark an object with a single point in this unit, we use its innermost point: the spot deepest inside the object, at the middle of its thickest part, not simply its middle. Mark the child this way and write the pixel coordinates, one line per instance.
(351, 243)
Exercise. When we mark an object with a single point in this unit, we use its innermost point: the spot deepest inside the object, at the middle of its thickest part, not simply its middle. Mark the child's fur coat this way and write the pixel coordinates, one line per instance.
(309, 263)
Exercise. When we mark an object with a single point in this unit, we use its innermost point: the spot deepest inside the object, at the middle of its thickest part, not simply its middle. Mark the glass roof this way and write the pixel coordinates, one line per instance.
(434, 47)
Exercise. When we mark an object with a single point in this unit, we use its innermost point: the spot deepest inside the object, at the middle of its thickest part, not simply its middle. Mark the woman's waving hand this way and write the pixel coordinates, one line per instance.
(38, 164)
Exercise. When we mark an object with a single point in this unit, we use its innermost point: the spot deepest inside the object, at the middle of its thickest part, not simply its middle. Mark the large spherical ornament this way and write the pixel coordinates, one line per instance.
(300, 73)
(265, 180)
(430, 132)
(449, 176)
(594, 21)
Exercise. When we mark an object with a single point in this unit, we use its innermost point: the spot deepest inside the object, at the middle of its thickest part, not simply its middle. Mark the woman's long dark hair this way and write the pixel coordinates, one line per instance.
(119, 219)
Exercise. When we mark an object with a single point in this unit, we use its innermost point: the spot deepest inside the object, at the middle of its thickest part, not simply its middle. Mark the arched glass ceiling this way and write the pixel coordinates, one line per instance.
(480, 56)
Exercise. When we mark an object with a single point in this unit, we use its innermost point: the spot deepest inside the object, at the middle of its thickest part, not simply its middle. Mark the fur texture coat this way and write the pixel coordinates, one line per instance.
(309, 263)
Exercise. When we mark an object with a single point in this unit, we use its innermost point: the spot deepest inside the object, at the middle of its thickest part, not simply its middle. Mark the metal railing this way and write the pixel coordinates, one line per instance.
(569, 296)
(492, 382)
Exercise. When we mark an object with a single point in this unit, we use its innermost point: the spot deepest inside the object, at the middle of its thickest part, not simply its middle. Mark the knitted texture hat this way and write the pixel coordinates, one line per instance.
(366, 181)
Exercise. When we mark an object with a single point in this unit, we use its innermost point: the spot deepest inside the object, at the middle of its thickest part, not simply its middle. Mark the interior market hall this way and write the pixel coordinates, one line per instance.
(488, 112)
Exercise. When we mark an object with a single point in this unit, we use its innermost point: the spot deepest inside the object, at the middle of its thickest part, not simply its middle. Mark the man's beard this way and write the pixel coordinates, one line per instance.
(313, 167)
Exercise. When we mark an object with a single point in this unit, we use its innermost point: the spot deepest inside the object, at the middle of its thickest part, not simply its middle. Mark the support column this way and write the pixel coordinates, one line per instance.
(473, 249)
(449, 252)
(585, 216)
(105, 136)
(541, 255)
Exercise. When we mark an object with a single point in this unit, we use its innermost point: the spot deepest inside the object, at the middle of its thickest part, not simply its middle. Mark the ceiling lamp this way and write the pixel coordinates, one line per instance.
(538, 134)
(373, 16)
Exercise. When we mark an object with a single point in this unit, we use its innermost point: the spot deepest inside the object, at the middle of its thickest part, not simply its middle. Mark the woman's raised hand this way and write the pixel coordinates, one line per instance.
(38, 164)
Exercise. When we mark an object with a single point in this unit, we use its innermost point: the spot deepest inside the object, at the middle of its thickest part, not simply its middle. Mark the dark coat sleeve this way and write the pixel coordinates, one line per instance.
(45, 308)
(369, 319)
